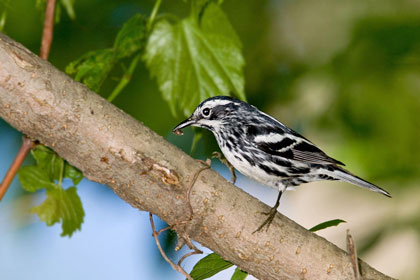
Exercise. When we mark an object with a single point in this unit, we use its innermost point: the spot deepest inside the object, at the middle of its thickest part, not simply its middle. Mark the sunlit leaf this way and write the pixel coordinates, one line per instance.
(327, 224)
(193, 61)
(132, 36)
(62, 206)
(48, 211)
(209, 266)
(33, 178)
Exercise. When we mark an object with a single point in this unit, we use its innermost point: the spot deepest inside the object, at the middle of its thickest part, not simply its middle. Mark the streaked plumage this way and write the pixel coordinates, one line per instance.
(264, 149)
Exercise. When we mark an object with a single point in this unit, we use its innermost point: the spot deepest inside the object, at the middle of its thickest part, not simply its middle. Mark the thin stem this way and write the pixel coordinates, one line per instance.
(153, 14)
(47, 32)
(27, 144)
(188, 255)
(162, 230)
(125, 78)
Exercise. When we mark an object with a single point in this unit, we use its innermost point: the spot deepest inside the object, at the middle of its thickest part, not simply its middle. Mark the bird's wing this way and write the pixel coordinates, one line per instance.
(286, 143)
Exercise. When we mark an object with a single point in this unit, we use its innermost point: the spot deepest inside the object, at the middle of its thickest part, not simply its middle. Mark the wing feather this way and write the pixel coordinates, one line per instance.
(308, 152)
(288, 144)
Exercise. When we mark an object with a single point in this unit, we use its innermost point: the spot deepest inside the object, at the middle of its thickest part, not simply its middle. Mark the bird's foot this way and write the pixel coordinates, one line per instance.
(227, 163)
(268, 221)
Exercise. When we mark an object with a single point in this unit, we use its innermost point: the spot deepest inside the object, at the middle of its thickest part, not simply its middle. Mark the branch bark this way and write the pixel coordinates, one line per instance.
(112, 148)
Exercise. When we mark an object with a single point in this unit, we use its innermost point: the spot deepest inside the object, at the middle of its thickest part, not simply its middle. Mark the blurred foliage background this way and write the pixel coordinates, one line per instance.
(346, 74)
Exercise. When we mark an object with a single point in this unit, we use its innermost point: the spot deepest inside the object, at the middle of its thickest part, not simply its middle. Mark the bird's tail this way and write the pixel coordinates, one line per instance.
(346, 176)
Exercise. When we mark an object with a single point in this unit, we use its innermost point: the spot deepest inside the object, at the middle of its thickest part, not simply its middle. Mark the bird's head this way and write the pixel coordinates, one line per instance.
(213, 113)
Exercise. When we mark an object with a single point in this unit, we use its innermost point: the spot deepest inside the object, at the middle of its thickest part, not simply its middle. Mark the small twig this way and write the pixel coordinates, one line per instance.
(176, 267)
(195, 252)
(27, 145)
(228, 165)
(162, 230)
(47, 32)
(351, 248)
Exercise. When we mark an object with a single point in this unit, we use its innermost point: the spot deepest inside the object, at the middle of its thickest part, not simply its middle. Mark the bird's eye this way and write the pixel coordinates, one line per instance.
(206, 112)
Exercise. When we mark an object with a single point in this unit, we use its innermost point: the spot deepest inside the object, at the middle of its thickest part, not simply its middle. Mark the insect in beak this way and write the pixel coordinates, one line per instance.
(177, 130)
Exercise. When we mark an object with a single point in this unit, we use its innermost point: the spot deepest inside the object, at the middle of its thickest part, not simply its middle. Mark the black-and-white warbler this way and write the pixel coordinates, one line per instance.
(264, 149)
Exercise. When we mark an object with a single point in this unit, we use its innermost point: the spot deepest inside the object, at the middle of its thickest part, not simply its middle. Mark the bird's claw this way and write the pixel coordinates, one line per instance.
(207, 162)
(267, 221)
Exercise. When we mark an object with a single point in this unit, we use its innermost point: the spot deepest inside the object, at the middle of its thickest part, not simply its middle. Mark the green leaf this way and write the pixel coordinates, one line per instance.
(62, 206)
(132, 36)
(93, 67)
(33, 178)
(209, 266)
(48, 161)
(48, 210)
(55, 167)
(193, 61)
(327, 224)
(239, 275)
(73, 173)
(69, 7)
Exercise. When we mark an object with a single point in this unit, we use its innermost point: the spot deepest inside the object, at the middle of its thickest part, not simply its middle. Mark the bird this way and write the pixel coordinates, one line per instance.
(265, 150)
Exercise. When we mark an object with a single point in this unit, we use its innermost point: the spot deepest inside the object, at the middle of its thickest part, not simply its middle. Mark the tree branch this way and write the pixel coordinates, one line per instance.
(153, 175)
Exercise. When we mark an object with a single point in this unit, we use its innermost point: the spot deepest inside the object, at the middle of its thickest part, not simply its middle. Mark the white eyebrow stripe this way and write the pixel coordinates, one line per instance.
(214, 103)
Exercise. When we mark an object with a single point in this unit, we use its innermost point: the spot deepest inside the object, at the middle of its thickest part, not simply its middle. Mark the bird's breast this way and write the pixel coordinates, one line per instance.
(246, 160)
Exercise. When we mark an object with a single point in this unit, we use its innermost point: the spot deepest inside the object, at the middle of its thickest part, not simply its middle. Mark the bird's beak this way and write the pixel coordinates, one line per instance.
(187, 122)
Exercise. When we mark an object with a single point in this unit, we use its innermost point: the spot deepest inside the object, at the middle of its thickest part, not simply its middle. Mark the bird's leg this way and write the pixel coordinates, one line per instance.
(227, 163)
(182, 235)
(270, 214)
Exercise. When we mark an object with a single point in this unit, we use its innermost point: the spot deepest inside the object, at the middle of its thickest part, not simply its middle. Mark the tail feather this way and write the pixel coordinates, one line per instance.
(346, 176)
